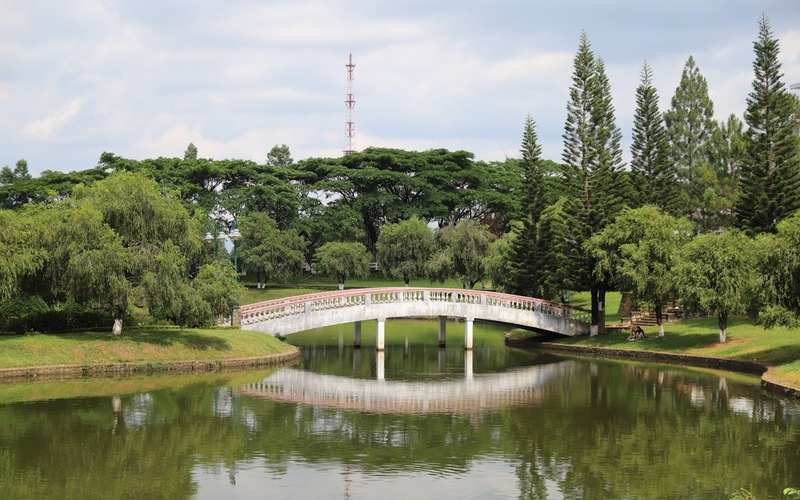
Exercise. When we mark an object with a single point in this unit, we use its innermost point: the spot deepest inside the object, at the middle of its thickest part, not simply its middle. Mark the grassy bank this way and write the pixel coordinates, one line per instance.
(747, 341)
(151, 345)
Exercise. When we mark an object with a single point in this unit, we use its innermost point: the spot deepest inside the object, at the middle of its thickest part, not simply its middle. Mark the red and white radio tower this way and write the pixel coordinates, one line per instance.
(350, 126)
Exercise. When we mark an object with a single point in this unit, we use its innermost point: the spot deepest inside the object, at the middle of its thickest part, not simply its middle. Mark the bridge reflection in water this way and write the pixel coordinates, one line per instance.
(473, 392)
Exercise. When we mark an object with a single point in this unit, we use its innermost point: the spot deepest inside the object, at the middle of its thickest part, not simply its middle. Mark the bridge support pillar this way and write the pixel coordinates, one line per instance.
(468, 365)
(380, 365)
(357, 335)
(442, 331)
(381, 334)
(468, 323)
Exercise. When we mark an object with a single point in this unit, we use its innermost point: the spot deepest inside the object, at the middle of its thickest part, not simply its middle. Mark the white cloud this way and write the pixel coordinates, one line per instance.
(47, 128)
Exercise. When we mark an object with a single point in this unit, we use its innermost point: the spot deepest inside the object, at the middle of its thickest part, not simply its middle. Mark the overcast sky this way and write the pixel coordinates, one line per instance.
(143, 78)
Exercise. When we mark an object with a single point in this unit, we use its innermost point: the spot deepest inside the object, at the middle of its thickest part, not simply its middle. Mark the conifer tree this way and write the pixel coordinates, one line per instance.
(727, 155)
(191, 152)
(770, 174)
(593, 160)
(578, 151)
(525, 247)
(690, 124)
(653, 173)
(560, 232)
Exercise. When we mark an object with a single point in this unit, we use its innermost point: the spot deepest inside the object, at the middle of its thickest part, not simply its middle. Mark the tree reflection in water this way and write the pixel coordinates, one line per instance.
(518, 424)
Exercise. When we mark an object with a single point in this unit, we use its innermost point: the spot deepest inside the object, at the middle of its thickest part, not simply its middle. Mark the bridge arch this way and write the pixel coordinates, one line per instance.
(305, 312)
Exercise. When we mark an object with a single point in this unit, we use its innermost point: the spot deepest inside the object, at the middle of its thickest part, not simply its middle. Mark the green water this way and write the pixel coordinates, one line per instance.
(417, 422)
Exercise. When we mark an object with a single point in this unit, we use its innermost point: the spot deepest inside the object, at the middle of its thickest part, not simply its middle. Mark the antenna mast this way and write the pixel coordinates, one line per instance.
(350, 126)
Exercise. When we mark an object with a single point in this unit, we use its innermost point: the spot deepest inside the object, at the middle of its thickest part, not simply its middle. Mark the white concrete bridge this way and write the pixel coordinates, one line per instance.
(305, 312)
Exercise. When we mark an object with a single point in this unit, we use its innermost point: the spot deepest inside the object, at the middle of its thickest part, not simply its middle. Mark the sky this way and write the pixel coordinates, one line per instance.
(143, 79)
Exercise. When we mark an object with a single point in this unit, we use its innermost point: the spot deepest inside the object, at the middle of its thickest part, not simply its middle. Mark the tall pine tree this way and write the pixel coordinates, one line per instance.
(770, 174)
(690, 124)
(593, 160)
(727, 155)
(526, 247)
(653, 173)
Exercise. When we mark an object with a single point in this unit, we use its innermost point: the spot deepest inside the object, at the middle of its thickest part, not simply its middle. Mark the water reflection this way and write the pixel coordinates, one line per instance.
(431, 423)
(474, 392)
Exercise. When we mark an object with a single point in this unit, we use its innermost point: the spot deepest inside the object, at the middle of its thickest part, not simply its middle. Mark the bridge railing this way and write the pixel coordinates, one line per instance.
(300, 304)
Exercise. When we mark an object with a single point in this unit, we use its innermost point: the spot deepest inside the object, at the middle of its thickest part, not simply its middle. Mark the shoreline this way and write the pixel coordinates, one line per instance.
(146, 367)
(768, 380)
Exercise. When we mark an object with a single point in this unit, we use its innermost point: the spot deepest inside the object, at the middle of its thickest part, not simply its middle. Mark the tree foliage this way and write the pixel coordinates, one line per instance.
(20, 255)
(727, 154)
(593, 165)
(778, 258)
(191, 152)
(122, 240)
(267, 251)
(562, 232)
(403, 249)
(690, 126)
(342, 260)
(385, 186)
(714, 275)
(653, 174)
(460, 252)
(770, 173)
(637, 252)
(526, 248)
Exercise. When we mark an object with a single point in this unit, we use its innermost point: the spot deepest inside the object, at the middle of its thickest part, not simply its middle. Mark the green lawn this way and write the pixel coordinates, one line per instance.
(151, 345)
(584, 300)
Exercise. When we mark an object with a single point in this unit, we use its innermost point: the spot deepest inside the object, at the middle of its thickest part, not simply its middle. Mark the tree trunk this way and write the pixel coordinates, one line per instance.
(722, 320)
(601, 310)
(659, 320)
(593, 329)
(625, 304)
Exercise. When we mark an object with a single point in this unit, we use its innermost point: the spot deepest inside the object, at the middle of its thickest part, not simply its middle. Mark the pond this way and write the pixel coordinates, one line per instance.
(415, 421)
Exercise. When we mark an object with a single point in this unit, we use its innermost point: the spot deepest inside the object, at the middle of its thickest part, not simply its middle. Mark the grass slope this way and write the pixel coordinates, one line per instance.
(136, 345)
(778, 347)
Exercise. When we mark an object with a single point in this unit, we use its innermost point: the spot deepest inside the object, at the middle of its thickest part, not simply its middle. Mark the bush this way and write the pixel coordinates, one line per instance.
(30, 313)
(775, 315)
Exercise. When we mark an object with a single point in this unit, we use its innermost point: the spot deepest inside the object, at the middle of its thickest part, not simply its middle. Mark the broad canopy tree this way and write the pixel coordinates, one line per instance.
(386, 186)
